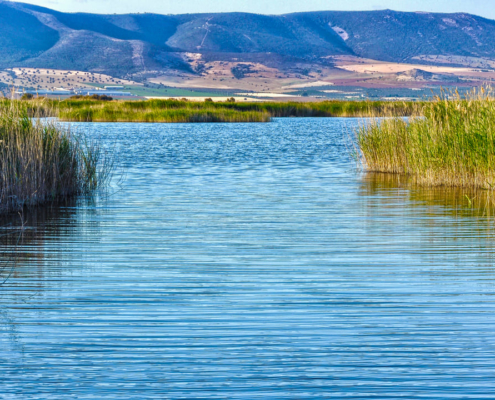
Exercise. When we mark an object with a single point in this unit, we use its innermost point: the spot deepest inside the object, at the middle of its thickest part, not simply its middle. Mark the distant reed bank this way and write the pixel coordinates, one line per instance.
(448, 142)
(176, 111)
(42, 162)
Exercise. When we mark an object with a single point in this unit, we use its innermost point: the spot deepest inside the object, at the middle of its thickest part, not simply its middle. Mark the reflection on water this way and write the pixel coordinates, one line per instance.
(30, 241)
(34, 252)
(454, 201)
(459, 221)
(251, 262)
(10, 237)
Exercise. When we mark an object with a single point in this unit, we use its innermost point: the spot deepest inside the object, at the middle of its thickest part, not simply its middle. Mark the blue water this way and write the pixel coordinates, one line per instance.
(249, 261)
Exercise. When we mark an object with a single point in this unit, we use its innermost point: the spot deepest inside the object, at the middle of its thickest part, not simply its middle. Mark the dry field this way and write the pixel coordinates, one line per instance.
(387, 71)
(255, 81)
(265, 81)
(260, 79)
(238, 99)
(48, 79)
(471, 62)
(268, 82)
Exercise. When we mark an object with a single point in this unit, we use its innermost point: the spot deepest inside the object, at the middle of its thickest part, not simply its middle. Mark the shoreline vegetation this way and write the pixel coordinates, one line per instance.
(42, 162)
(183, 111)
(448, 142)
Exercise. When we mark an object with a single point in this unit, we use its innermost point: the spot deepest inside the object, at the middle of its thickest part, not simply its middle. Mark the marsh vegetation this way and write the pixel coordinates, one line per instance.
(448, 142)
(40, 161)
(92, 110)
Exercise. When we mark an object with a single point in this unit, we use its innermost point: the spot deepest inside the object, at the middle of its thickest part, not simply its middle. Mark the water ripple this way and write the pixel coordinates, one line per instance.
(250, 262)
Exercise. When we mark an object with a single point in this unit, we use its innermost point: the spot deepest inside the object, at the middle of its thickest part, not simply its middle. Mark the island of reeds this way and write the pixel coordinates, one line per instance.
(176, 111)
(42, 162)
(449, 142)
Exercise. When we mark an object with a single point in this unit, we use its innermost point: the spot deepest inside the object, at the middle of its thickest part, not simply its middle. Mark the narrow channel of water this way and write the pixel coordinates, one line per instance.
(250, 261)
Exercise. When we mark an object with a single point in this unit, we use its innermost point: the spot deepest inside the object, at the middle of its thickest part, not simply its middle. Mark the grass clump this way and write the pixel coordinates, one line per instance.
(41, 162)
(450, 142)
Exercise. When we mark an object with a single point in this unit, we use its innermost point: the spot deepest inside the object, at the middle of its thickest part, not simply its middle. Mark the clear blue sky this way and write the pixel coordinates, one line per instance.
(485, 8)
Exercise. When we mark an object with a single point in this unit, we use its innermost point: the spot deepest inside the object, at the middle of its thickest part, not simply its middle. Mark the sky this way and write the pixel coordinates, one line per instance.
(485, 8)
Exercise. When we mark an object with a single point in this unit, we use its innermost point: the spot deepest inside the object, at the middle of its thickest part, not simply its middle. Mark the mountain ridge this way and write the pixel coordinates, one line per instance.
(140, 45)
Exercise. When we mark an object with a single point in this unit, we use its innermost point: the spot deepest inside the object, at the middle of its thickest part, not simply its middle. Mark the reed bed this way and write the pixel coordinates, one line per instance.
(41, 162)
(171, 110)
(155, 111)
(331, 108)
(449, 142)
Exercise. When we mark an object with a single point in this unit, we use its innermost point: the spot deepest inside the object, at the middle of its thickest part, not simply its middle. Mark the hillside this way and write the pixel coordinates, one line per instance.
(140, 46)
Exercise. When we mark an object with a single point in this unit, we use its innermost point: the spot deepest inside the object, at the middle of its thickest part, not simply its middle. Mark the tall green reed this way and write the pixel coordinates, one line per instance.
(448, 142)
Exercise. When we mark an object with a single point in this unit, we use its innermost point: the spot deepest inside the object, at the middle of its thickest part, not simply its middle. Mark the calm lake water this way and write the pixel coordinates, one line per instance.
(250, 261)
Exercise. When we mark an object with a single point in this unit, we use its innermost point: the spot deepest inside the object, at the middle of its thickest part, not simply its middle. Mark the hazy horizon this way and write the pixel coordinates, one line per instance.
(476, 7)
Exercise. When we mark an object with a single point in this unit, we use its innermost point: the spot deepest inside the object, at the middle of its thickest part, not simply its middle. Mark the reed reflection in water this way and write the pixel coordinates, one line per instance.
(453, 200)
(34, 242)
(456, 222)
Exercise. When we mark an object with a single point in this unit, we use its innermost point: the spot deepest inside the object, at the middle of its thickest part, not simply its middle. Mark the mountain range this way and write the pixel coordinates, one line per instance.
(141, 45)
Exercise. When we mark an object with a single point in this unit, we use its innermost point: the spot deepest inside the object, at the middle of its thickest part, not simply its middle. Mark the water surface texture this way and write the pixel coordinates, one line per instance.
(250, 261)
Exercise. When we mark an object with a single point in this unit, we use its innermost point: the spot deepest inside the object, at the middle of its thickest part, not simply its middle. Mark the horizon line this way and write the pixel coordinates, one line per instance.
(246, 12)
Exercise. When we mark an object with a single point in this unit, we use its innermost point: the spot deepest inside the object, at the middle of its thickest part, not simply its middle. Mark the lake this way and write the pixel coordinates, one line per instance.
(249, 261)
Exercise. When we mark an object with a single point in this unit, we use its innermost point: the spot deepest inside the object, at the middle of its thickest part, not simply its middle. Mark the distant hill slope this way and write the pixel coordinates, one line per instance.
(399, 36)
(141, 44)
(23, 36)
